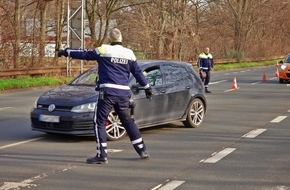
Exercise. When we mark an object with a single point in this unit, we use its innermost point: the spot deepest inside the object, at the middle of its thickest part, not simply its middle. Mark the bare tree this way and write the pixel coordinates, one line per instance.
(100, 11)
(42, 34)
(17, 20)
(240, 16)
(59, 24)
(168, 28)
(159, 29)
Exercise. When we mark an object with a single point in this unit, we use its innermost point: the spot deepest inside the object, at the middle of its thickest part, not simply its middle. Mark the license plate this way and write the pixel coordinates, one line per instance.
(49, 118)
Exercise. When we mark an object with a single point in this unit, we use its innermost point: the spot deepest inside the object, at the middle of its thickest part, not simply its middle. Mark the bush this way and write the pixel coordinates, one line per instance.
(235, 55)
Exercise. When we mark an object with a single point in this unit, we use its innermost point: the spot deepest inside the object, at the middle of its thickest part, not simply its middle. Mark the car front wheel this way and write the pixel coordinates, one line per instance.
(114, 128)
(195, 113)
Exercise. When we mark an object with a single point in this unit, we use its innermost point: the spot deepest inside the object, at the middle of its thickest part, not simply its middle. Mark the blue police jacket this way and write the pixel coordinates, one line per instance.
(205, 61)
(115, 63)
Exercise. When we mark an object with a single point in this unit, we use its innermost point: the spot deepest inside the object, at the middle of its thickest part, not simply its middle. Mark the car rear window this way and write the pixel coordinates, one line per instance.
(177, 74)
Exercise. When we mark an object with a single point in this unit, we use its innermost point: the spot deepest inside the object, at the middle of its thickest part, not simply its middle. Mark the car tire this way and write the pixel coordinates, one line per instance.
(281, 81)
(114, 128)
(195, 113)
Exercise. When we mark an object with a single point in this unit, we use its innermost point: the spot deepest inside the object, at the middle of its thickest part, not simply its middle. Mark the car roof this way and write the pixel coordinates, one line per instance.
(146, 63)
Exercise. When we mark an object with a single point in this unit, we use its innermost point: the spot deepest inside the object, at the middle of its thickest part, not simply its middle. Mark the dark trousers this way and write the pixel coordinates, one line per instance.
(120, 105)
(205, 79)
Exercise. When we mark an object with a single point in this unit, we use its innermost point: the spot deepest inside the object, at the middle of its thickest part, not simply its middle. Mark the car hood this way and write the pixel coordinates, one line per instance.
(69, 95)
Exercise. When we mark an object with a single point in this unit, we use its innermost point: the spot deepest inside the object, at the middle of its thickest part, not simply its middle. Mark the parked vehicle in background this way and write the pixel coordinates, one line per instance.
(284, 74)
(178, 96)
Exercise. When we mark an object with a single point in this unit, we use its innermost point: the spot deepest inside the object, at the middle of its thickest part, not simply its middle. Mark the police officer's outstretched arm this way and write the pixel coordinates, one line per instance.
(82, 54)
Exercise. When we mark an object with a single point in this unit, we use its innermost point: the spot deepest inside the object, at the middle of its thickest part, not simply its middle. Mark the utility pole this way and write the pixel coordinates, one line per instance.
(75, 29)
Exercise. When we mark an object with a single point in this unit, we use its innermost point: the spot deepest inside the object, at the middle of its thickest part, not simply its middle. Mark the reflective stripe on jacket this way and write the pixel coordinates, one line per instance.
(205, 61)
(115, 64)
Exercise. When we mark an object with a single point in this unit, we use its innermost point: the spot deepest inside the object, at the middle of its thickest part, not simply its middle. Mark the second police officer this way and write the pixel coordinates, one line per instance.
(205, 64)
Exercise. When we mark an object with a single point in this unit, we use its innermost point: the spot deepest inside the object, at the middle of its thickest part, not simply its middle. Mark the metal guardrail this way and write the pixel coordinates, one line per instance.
(62, 71)
(56, 71)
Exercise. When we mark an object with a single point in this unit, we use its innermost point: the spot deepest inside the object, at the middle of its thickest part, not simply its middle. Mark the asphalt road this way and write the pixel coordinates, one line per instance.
(242, 144)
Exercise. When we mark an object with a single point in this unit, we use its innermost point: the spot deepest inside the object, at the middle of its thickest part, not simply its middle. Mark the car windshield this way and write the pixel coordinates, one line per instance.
(88, 78)
(287, 60)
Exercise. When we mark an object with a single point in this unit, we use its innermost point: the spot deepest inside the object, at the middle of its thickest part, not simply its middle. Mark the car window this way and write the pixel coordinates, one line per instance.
(153, 76)
(287, 60)
(176, 74)
(88, 78)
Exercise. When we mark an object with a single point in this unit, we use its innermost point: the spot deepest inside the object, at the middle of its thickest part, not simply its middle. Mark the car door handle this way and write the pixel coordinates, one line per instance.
(163, 91)
(188, 87)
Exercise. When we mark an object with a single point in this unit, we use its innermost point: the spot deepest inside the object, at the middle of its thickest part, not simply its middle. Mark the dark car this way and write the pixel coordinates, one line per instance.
(178, 96)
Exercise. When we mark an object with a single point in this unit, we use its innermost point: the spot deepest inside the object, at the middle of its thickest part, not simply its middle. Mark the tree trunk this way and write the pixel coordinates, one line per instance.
(42, 34)
(16, 57)
(58, 27)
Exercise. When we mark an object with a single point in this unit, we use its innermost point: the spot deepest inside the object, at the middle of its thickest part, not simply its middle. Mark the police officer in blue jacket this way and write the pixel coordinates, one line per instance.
(205, 64)
(115, 64)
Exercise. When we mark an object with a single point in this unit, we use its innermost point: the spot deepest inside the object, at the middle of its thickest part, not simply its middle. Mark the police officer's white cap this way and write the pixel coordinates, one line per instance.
(115, 35)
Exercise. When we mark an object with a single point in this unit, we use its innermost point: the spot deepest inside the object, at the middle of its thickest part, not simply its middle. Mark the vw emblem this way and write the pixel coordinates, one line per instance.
(51, 107)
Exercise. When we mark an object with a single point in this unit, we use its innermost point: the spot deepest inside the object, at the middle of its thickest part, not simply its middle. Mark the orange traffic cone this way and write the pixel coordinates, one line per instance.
(264, 76)
(235, 85)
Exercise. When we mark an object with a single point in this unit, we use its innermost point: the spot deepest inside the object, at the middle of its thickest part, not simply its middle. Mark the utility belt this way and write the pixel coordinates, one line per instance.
(132, 104)
(101, 94)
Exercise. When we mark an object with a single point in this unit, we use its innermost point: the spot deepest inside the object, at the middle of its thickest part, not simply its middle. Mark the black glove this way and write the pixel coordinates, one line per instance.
(62, 52)
(148, 92)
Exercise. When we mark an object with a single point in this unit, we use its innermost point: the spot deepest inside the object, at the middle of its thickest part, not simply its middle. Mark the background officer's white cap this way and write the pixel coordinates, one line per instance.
(115, 35)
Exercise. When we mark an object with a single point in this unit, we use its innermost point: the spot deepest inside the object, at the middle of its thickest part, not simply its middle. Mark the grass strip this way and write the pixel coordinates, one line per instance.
(27, 82)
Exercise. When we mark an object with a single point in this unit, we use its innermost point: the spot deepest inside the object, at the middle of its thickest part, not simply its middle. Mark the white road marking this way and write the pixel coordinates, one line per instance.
(17, 185)
(217, 82)
(262, 81)
(281, 188)
(4, 108)
(278, 119)
(155, 188)
(218, 156)
(273, 78)
(29, 183)
(19, 143)
(256, 83)
(288, 110)
(114, 150)
(169, 186)
(254, 133)
(229, 90)
(288, 84)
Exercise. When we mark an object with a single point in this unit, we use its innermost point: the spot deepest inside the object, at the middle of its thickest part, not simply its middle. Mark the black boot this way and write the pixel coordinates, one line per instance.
(207, 91)
(97, 160)
(144, 155)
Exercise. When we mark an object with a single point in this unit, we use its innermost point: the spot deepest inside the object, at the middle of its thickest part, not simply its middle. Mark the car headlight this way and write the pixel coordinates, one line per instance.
(283, 67)
(89, 107)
